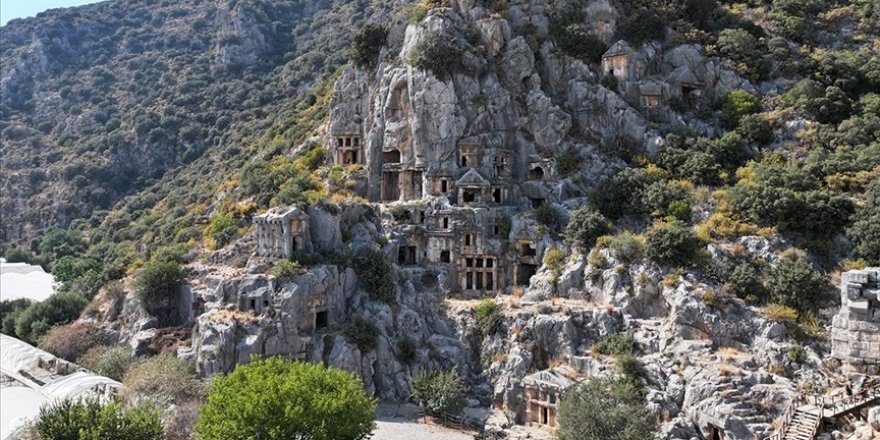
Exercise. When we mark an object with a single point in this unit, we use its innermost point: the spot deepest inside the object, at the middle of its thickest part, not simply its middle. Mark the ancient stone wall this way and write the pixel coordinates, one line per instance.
(855, 332)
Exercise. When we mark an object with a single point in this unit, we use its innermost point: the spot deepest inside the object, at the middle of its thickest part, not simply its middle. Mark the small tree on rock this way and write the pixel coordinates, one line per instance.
(585, 225)
(441, 394)
(158, 284)
(604, 409)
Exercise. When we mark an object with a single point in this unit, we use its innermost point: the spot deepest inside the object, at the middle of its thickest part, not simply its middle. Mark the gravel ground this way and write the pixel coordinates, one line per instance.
(406, 430)
(401, 422)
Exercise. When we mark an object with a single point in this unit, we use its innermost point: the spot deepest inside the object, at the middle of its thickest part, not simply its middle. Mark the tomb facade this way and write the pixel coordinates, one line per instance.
(282, 233)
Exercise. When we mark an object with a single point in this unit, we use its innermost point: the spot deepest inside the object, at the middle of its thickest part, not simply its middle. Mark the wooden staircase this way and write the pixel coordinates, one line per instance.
(801, 420)
(804, 423)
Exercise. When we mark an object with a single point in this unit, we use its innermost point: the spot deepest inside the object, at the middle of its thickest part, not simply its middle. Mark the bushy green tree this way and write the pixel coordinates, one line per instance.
(68, 268)
(604, 409)
(286, 270)
(865, 234)
(157, 284)
(642, 25)
(222, 228)
(367, 43)
(363, 333)
(756, 130)
(794, 283)
(19, 255)
(440, 393)
(9, 311)
(736, 104)
(745, 281)
(375, 274)
(276, 399)
(578, 42)
(672, 243)
(90, 419)
(488, 318)
(112, 362)
(38, 318)
(622, 193)
(58, 242)
(585, 225)
(615, 344)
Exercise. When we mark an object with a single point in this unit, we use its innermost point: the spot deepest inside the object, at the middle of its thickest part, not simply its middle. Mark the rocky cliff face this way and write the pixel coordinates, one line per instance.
(461, 179)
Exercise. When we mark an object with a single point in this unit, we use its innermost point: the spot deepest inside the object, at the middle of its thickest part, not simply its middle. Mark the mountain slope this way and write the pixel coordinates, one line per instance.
(102, 100)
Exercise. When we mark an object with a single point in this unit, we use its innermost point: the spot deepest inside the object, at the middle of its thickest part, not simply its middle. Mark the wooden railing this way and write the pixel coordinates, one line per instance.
(786, 419)
(837, 405)
(828, 406)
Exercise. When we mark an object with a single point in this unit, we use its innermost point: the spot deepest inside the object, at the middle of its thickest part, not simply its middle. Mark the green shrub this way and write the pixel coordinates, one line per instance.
(744, 53)
(578, 42)
(367, 43)
(622, 193)
(585, 225)
(756, 130)
(281, 399)
(796, 354)
(438, 54)
(286, 270)
(34, 321)
(415, 14)
(488, 318)
(554, 259)
(610, 82)
(362, 333)
(626, 246)
(784, 196)
(68, 268)
(642, 25)
(630, 367)
(795, 284)
(745, 281)
(71, 341)
(19, 255)
(672, 243)
(222, 228)
(174, 253)
(865, 234)
(616, 344)
(375, 274)
(157, 284)
(679, 209)
(547, 215)
(780, 313)
(164, 377)
(737, 104)
(90, 419)
(10, 309)
(603, 408)
(57, 243)
(440, 394)
(112, 362)
(569, 162)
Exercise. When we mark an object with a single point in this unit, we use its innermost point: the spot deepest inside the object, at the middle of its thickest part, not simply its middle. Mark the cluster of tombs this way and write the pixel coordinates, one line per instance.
(652, 92)
(458, 220)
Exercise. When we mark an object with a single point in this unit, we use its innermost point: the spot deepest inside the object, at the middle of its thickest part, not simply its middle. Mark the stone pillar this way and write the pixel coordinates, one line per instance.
(855, 331)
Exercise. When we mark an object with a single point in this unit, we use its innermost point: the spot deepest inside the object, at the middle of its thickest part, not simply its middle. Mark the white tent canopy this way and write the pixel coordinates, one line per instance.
(22, 280)
(21, 403)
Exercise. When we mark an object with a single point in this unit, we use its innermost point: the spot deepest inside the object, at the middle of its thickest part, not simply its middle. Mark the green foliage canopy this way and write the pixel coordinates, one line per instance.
(276, 399)
(604, 409)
